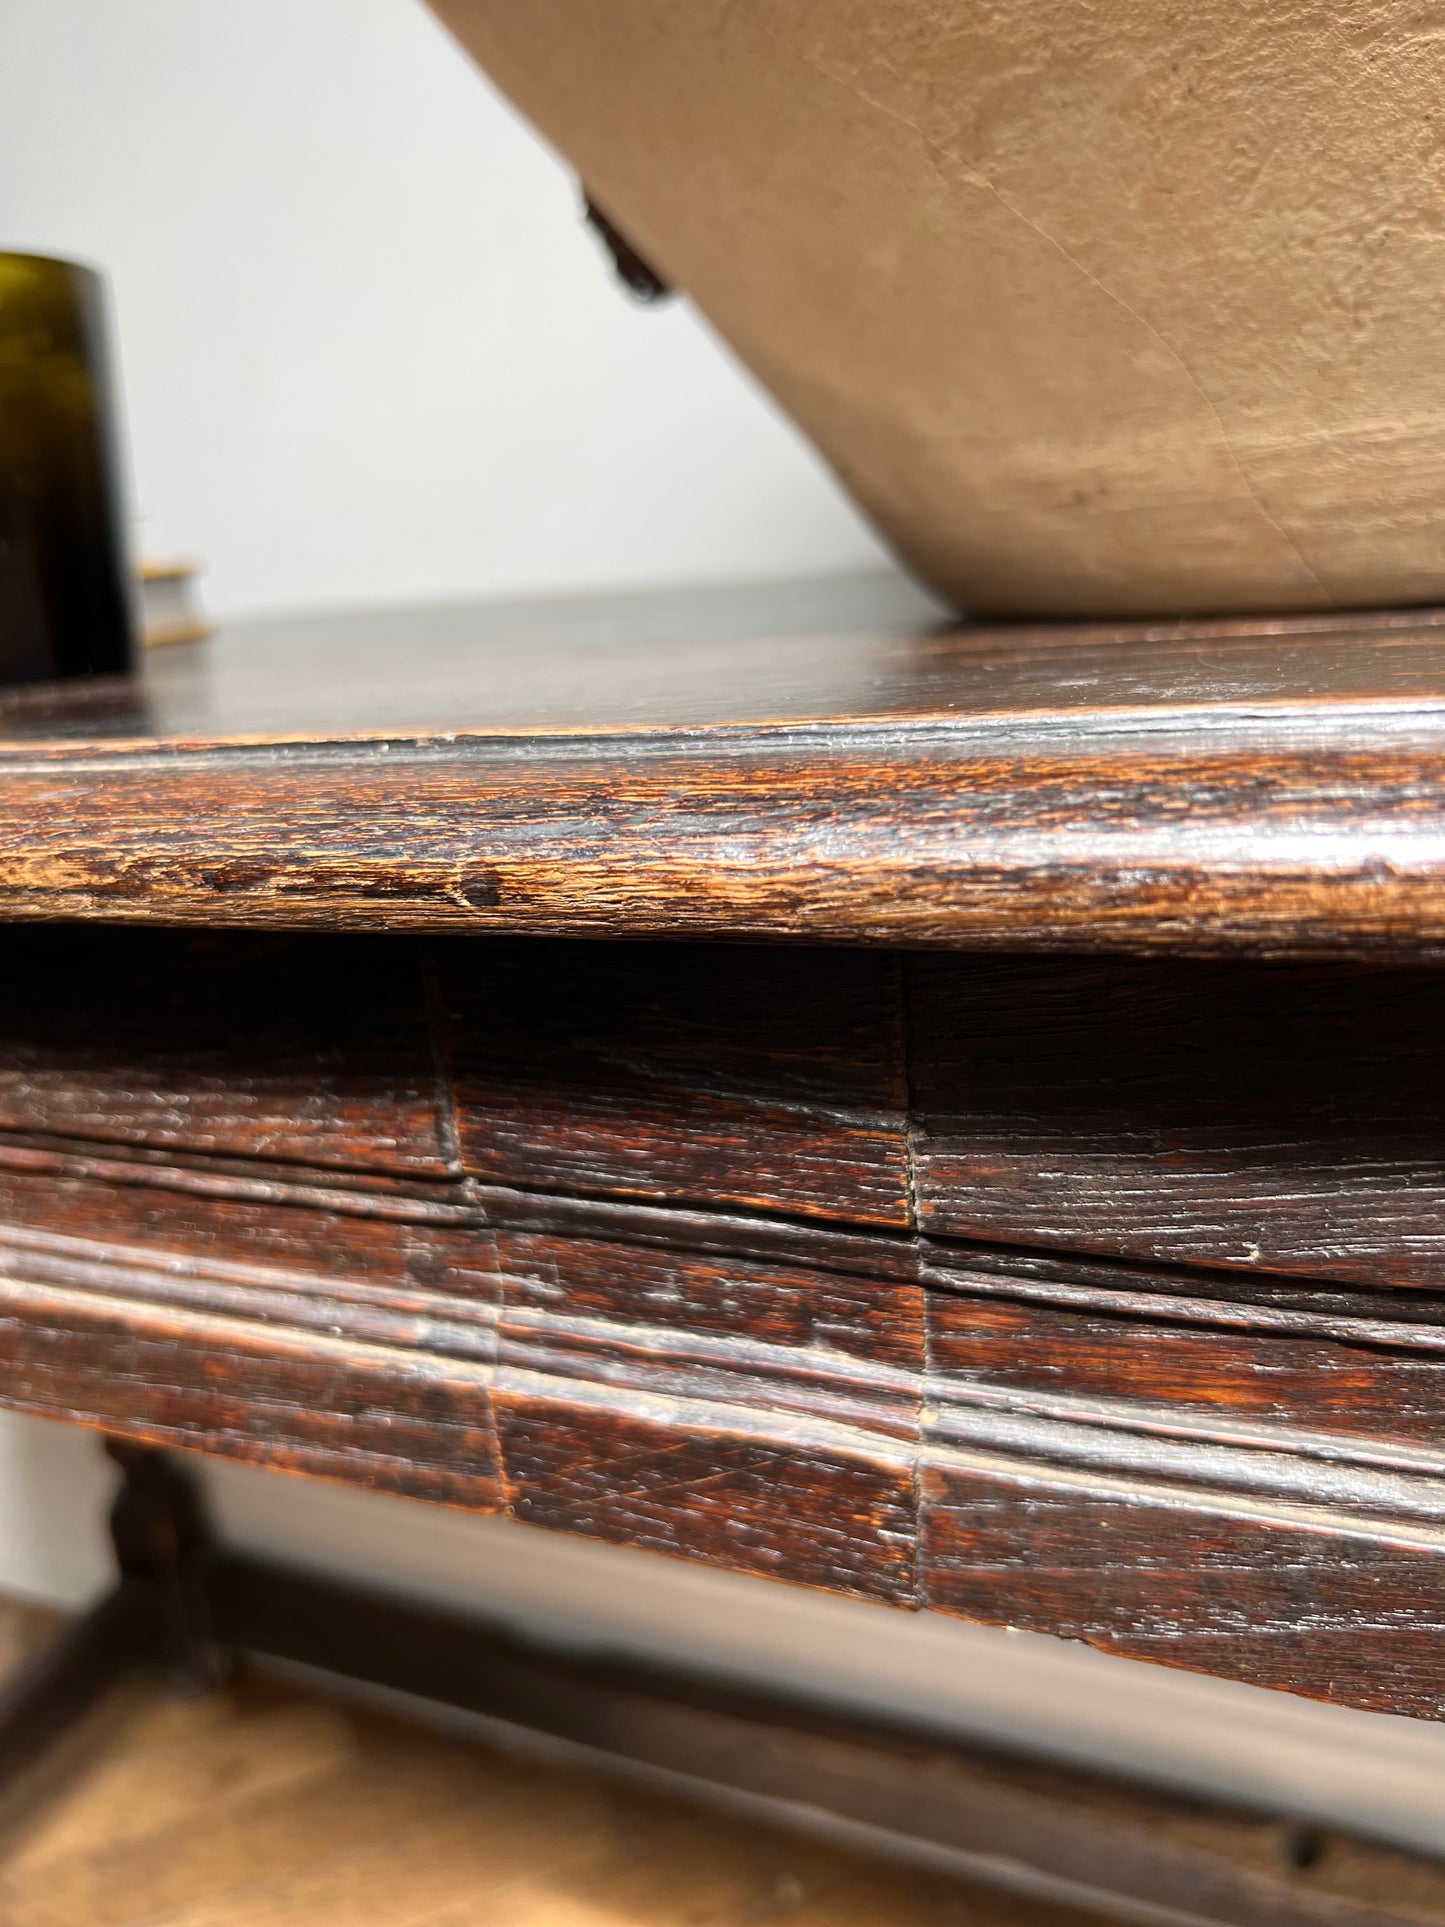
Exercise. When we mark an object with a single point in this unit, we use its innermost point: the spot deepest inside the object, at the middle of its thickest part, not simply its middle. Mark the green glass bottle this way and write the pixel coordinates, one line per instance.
(65, 594)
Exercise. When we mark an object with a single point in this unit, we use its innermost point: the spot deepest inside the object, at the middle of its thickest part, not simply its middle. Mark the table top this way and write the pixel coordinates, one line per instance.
(827, 761)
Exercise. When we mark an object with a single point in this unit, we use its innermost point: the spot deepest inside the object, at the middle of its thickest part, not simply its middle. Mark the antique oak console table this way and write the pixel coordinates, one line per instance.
(952, 1116)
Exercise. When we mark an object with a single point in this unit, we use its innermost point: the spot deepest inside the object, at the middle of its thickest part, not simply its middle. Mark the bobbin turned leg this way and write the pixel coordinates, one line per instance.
(164, 1551)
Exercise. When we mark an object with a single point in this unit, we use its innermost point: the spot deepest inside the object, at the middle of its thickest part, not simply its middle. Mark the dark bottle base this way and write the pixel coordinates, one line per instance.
(65, 589)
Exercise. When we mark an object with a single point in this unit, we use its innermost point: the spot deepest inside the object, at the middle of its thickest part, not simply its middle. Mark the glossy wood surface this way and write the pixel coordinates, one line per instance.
(1100, 1294)
(1203, 1111)
(1011, 1287)
(821, 762)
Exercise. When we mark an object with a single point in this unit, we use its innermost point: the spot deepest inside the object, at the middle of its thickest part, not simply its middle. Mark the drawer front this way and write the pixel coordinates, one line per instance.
(1252, 1484)
(767, 1079)
(1280, 1117)
(1311, 1605)
(302, 1050)
(1098, 1297)
(1363, 1370)
(758, 1413)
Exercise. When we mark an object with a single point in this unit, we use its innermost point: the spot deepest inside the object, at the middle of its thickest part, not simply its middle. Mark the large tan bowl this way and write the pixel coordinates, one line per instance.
(1096, 305)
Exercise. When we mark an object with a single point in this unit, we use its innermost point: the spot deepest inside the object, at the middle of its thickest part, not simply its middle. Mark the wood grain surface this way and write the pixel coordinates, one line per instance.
(1098, 1296)
(261, 1050)
(1213, 1113)
(771, 1079)
(822, 762)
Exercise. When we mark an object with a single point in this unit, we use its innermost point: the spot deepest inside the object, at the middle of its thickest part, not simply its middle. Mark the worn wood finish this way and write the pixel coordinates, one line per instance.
(1091, 1291)
(770, 1079)
(688, 1403)
(1172, 1493)
(1253, 1479)
(1204, 1112)
(261, 1050)
(1095, 1296)
(822, 763)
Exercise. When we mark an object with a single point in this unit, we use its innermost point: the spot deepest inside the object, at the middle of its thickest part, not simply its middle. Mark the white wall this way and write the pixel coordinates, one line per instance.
(370, 351)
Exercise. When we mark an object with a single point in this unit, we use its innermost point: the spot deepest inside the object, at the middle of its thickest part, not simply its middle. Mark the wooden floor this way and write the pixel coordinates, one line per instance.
(267, 1807)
